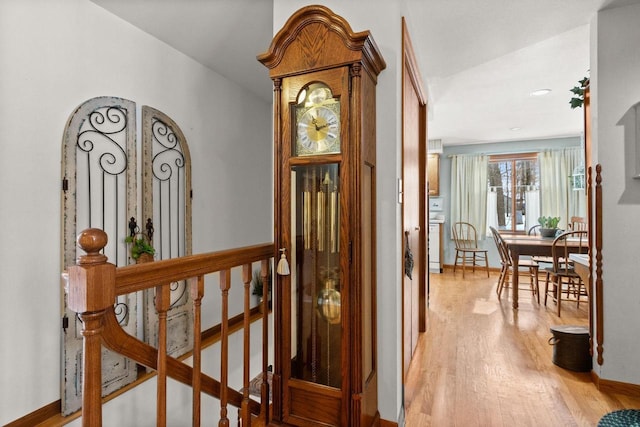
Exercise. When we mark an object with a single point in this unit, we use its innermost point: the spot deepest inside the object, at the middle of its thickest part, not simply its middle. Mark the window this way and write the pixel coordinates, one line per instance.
(513, 200)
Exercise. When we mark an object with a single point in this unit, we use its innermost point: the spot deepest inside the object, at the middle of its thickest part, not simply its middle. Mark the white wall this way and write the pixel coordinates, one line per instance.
(54, 56)
(615, 71)
(383, 19)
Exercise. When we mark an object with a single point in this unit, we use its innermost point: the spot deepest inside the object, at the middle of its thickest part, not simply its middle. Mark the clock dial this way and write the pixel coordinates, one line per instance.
(318, 129)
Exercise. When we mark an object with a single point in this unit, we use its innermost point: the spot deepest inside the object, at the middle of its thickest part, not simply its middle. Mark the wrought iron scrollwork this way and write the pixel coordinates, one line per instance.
(102, 139)
(169, 157)
(99, 132)
(168, 170)
(121, 311)
(178, 293)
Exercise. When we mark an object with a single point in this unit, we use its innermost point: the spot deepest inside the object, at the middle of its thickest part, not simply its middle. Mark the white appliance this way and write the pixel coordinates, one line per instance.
(436, 221)
(434, 247)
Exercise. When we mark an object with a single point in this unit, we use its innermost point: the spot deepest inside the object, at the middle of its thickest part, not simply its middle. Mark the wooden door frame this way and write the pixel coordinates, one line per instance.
(410, 67)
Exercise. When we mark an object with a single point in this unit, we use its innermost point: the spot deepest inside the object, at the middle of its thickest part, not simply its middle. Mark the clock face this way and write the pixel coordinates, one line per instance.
(317, 123)
(319, 131)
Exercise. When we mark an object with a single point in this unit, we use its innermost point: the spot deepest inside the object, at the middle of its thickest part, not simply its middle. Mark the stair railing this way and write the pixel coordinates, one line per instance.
(92, 287)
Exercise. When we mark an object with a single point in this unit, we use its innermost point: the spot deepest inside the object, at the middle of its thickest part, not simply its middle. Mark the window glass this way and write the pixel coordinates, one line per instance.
(513, 192)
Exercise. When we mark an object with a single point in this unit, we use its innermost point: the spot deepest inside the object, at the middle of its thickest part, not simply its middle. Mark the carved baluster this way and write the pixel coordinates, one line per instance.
(225, 285)
(197, 293)
(91, 292)
(244, 410)
(163, 296)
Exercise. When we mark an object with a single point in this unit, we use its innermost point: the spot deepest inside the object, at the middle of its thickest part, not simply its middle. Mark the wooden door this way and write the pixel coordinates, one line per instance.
(414, 203)
(410, 216)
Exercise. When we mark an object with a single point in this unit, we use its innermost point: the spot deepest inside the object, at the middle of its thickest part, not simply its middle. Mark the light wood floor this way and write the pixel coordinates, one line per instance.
(481, 363)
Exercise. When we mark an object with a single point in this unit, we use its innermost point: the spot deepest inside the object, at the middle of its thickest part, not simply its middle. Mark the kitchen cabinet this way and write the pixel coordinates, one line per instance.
(433, 174)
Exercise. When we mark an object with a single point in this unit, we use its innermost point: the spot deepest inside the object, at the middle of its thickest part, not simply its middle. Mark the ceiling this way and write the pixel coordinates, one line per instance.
(480, 60)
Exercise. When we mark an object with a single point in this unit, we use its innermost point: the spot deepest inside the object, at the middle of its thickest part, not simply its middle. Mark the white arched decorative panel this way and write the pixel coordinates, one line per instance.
(100, 189)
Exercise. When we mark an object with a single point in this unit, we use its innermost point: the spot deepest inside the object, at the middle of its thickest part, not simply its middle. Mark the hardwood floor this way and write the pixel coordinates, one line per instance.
(481, 363)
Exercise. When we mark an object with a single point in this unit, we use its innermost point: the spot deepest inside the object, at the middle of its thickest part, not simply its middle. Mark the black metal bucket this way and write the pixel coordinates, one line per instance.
(571, 347)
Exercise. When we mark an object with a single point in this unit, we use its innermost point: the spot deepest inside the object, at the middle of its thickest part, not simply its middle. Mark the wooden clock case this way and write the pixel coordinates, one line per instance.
(325, 362)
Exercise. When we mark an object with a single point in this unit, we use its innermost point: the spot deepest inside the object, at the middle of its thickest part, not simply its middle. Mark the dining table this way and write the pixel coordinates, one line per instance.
(530, 245)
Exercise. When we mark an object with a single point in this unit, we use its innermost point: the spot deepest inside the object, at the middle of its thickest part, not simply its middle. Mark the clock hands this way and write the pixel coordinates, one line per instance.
(315, 123)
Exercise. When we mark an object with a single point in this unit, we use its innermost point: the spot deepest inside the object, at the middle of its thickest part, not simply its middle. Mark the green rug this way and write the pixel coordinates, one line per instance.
(623, 417)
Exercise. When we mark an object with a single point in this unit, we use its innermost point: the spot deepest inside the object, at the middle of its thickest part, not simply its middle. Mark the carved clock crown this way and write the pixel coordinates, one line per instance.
(299, 45)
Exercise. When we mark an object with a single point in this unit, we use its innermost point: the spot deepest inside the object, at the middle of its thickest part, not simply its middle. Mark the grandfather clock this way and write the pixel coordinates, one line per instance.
(325, 75)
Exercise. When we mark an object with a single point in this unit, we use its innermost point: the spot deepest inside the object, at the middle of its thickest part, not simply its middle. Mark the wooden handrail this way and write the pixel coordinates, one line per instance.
(93, 285)
(138, 277)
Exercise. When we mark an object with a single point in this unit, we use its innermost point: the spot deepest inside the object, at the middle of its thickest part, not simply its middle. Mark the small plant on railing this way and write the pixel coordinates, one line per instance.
(140, 246)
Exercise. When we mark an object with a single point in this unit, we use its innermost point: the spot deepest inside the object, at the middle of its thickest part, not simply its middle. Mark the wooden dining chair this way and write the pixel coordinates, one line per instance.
(526, 267)
(534, 231)
(578, 223)
(540, 259)
(465, 238)
(561, 276)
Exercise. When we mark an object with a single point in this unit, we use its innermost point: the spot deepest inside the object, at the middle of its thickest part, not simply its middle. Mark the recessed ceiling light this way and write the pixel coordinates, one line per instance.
(540, 92)
(515, 128)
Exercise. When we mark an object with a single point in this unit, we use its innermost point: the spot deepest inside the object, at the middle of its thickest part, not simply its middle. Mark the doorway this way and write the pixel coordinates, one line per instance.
(414, 210)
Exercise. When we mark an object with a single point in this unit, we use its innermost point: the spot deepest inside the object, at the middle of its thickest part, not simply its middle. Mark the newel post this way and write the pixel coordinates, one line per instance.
(91, 291)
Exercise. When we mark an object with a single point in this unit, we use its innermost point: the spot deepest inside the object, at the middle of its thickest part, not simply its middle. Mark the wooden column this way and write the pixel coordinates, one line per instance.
(91, 292)
(279, 281)
(599, 283)
(264, 389)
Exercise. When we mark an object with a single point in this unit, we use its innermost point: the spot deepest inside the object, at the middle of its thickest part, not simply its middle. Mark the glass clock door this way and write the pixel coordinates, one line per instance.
(316, 300)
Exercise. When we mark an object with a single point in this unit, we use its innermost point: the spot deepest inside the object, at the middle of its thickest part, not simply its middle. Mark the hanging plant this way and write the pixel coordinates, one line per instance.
(140, 245)
(578, 99)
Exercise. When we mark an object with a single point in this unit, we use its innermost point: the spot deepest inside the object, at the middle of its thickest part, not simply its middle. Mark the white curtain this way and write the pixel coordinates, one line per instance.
(492, 209)
(532, 202)
(557, 197)
(469, 191)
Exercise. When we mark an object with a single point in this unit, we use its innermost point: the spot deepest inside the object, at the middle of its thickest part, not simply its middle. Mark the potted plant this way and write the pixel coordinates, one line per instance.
(548, 225)
(257, 286)
(141, 249)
